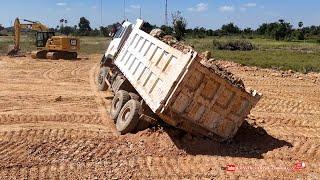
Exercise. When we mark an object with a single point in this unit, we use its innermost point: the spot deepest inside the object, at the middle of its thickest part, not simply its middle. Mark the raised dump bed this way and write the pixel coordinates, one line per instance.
(205, 103)
(180, 88)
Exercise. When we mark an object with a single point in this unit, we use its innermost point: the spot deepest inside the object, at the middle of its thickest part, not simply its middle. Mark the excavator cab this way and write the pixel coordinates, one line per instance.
(42, 38)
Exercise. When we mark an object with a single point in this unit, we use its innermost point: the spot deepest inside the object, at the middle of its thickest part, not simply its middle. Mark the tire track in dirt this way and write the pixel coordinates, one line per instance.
(64, 73)
(21, 130)
(302, 148)
(283, 119)
(279, 105)
(7, 119)
(101, 103)
(85, 147)
(293, 131)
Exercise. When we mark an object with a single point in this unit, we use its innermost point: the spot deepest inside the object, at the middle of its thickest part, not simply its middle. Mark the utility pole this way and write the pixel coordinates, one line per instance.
(101, 12)
(140, 12)
(166, 13)
(124, 9)
(101, 17)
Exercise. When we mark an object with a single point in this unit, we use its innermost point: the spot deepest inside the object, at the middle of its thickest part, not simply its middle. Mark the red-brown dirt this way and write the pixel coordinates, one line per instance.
(54, 124)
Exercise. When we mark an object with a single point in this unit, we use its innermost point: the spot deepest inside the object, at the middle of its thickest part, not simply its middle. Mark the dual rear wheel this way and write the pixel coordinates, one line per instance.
(125, 111)
(128, 117)
(125, 108)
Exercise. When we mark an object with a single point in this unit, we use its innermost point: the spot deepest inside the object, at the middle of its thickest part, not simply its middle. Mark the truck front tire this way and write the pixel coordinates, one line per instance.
(102, 85)
(119, 100)
(129, 117)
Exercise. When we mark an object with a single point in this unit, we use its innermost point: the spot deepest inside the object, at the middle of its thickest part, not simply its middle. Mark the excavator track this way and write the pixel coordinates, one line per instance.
(62, 55)
(52, 55)
(39, 54)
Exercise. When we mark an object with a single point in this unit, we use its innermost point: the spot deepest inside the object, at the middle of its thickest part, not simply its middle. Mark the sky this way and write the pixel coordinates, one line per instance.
(198, 13)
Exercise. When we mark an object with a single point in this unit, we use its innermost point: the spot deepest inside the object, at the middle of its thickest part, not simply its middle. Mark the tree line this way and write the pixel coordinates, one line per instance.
(280, 30)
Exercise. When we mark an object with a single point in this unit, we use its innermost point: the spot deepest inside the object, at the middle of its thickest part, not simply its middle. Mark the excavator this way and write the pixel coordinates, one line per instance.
(48, 45)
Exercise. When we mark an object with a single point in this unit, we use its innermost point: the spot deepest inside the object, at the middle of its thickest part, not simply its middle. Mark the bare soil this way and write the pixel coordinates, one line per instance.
(54, 124)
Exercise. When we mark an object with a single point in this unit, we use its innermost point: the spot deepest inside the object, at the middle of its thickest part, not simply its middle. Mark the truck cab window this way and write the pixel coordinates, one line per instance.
(119, 32)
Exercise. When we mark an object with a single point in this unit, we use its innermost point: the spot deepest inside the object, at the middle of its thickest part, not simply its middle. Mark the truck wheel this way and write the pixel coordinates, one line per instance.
(119, 100)
(128, 117)
(102, 85)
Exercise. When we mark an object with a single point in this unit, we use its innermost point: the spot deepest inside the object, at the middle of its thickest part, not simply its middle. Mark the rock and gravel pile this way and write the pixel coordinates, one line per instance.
(170, 40)
(222, 72)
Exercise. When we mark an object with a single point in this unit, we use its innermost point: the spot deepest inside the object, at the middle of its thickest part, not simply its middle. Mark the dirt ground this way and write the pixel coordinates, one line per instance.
(54, 124)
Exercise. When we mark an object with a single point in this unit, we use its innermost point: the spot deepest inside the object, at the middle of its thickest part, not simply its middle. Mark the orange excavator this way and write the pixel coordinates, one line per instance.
(48, 45)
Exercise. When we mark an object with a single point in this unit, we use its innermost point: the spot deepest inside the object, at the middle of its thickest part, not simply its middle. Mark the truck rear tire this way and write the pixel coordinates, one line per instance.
(129, 117)
(102, 85)
(119, 100)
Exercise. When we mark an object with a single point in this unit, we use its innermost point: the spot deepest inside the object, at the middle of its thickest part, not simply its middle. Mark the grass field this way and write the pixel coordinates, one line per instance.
(298, 56)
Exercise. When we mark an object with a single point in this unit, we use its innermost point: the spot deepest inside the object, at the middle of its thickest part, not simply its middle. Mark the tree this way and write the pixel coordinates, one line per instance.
(1, 27)
(300, 33)
(247, 31)
(210, 32)
(262, 30)
(67, 30)
(147, 27)
(300, 24)
(167, 29)
(84, 27)
(278, 30)
(94, 32)
(283, 30)
(230, 29)
(105, 31)
(179, 25)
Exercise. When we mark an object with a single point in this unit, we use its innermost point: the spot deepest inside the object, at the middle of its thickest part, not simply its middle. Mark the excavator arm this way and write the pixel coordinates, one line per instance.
(32, 25)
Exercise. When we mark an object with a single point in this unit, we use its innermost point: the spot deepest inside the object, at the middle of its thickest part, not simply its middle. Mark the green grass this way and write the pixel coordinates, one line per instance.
(94, 45)
(89, 45)
(298, 55)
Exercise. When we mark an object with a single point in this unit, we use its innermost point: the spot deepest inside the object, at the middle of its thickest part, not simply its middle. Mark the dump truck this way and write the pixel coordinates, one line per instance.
(152, 81)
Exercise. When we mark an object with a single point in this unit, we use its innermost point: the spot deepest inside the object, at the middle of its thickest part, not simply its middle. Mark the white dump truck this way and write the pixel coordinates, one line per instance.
(153, 81)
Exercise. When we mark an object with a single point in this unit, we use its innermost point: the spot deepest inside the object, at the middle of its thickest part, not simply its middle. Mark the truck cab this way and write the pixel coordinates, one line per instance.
(119, 37)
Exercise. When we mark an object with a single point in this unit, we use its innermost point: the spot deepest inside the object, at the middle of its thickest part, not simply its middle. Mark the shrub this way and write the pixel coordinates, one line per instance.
(240, 45)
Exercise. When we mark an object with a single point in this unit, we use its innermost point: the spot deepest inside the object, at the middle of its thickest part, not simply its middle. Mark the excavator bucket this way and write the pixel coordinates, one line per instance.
(13, 52)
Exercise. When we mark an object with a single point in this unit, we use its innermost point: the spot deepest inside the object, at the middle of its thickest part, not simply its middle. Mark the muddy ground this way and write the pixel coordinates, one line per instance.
(54, 124)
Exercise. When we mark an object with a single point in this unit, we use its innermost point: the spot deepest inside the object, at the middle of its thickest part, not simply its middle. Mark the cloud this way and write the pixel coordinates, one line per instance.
(201, 7)
(61, 4)
(250, 5)
(226, 8)
(244, 7)
(135, 6)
